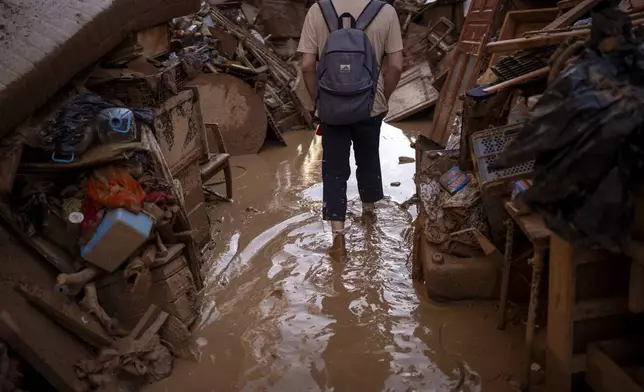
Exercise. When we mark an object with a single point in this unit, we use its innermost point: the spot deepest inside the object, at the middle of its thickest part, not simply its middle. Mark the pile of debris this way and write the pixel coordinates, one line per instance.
(511, 144)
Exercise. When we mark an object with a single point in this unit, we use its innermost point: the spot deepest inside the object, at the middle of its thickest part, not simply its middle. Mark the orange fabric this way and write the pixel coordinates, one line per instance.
(113, 187)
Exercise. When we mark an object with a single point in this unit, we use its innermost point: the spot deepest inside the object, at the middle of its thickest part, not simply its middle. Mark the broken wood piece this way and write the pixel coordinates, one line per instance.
(95, 156)
(636, 288)
(52, 253)
(67, 313)
(148, 326)
(173, 252)
(166, 232)
(72, 284)
(572, 15)
(178, 338)
(90, 304)
(154, 211)
(518, 80)
(568, 4)
(543, 40)
(11, 152)
(161, 248)
(23, 341)
(163, 170)
(413, 94)
(515, 44)
(149, 254)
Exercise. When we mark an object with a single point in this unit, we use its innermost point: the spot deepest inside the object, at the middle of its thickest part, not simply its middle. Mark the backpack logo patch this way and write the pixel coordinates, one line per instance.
(345, 68)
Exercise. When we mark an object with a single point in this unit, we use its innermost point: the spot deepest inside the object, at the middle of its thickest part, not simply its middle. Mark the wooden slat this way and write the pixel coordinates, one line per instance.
(22, 341)
(568, 4)
(561, 299)
(636, 288)
(571, 16)
(68, 314)
(604, 374)
(464, 66)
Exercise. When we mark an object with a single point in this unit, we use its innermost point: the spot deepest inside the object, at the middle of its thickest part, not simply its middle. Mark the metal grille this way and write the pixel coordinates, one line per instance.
(511, 67)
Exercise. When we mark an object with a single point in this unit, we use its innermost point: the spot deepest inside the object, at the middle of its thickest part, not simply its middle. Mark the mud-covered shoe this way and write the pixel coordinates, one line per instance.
(338, 250)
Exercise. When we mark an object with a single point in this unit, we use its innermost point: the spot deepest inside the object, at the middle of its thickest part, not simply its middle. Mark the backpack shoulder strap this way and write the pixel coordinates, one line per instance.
(330, 14)
(369, 14)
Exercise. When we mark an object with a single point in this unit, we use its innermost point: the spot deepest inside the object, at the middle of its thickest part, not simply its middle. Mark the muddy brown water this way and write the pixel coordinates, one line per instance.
(280, 315)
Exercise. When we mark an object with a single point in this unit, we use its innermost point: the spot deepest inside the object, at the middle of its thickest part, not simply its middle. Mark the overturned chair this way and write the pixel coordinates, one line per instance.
(217, 161)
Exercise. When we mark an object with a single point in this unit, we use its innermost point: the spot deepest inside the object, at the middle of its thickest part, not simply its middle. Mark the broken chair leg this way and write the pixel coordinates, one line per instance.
(505, 282)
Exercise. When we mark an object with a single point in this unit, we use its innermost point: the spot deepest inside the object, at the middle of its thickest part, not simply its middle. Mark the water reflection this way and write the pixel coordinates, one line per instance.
(279, 315)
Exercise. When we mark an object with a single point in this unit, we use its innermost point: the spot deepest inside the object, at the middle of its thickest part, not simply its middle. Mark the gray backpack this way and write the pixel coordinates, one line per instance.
(348, 69)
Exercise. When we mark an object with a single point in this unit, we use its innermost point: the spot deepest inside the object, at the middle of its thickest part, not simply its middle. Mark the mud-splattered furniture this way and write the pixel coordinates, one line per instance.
(587, 303)
(169, 285)
(219, 161)
(536, 231)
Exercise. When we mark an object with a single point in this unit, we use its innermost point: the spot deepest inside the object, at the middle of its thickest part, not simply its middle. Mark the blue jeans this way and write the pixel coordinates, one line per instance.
(336, 144)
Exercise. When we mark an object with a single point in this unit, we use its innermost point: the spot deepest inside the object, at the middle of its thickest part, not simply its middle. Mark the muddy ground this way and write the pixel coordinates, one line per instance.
(279, 315)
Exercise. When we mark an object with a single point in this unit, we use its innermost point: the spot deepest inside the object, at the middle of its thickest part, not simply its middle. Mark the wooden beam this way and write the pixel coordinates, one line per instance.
(571, 16)
(68, 314)
(52, 253)
(515, 44)
(636, 288)
(568, 4)
(604, 372)
(561, 298)
(22, 341)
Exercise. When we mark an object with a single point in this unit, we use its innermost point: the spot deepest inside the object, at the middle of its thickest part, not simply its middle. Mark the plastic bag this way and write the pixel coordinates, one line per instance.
(68, 130)
(586, 135)
(113, 187)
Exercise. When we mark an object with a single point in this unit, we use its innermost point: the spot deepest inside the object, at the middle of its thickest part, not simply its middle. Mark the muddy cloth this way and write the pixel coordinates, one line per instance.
(586, 136)
(336, 149)
(113, 187)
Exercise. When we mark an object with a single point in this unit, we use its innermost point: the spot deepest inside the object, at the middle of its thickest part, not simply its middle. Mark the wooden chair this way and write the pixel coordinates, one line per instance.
(217, 161)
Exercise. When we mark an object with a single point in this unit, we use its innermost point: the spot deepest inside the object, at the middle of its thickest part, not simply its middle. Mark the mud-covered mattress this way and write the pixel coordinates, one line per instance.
(44, 43)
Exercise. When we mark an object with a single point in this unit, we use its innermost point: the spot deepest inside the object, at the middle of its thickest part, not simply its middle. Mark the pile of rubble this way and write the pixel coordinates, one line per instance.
(499, 73)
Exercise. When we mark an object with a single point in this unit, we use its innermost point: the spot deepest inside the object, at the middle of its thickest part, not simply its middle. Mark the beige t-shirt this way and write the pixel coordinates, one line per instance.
(383, 33)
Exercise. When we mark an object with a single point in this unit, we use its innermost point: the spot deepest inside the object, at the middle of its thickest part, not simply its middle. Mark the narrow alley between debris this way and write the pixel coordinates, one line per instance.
(281, 316)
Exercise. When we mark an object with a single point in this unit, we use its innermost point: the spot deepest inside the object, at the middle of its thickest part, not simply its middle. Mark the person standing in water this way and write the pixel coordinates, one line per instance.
(344, 45)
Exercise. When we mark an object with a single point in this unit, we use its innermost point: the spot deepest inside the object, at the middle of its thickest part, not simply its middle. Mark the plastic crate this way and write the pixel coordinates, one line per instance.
(487, 146)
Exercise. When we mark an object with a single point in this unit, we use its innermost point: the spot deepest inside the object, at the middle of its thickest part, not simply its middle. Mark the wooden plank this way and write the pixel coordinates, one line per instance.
(533, 42)
(52, 253)
(531, 225)
(605, 375)
(465, 66)
(571, 16)
(517, 23)
(68, 314)
(413, 94)
(604, 307)
(62, 378)
(568, 4)
(636, 288)
(561, 298)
